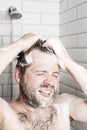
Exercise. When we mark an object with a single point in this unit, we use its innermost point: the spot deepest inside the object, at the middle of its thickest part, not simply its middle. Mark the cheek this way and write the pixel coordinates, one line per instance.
(37, 80)
(33, 81)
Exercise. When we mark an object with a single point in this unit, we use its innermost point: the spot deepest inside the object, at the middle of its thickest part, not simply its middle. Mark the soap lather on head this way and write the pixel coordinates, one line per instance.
(24, 58)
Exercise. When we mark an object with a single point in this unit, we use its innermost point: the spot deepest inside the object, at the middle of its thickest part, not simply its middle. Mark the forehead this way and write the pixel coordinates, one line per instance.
(41, 60)
(42, 57)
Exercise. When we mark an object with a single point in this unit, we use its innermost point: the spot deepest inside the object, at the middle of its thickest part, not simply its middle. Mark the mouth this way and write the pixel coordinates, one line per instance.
(45, 93)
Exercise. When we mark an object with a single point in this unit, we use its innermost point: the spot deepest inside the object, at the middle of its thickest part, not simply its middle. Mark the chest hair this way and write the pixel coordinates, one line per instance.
(40, 119)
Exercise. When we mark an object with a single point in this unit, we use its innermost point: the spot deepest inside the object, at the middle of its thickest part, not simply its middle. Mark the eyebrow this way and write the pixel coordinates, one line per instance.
(56, 72)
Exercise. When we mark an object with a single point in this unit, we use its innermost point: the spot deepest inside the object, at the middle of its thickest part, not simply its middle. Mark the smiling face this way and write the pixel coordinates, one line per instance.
(40, 81)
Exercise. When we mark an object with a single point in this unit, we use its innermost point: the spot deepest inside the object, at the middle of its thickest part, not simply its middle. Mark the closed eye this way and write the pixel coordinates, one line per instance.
(40, 72)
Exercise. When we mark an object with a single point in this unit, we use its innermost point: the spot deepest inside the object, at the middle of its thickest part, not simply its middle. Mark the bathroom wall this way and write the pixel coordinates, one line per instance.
(73, 32)
(38, 16)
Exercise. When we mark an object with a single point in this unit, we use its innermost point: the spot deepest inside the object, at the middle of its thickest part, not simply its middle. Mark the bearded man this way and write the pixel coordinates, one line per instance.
(39, 106)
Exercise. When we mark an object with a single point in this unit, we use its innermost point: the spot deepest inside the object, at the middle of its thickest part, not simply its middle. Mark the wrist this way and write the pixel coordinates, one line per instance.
(69, 64)
(20, 44)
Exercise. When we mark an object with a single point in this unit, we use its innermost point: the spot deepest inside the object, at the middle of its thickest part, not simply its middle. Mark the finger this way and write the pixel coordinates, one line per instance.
(30, 42)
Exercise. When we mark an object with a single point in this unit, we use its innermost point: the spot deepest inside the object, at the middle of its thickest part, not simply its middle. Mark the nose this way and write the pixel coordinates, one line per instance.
(48, 81)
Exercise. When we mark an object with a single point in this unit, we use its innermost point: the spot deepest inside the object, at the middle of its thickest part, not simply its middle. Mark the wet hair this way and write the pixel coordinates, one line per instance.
(21, 61)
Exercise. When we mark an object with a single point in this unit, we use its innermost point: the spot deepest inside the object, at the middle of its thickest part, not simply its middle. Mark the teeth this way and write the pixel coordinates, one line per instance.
(45, 91)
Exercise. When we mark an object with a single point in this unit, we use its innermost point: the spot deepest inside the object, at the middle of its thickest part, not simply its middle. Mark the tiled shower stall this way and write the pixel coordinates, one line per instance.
(42, 17)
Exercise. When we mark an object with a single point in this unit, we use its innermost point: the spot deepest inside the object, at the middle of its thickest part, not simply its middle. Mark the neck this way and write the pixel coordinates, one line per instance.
(23, 105)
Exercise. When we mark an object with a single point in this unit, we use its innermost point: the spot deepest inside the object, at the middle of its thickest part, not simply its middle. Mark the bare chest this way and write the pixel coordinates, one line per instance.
(51, 118)
(48, 119)
(37, 121)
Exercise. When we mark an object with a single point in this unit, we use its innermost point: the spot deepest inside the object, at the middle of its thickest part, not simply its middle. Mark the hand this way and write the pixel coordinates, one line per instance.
(29, 40)
(27, 36)
(60, 50)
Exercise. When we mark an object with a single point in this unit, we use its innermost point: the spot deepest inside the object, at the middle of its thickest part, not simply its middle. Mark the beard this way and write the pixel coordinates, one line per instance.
(32, 96)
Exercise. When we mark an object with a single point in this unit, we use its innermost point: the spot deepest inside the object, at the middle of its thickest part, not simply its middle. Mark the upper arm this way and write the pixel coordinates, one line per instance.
(77, 107)
(78, 110)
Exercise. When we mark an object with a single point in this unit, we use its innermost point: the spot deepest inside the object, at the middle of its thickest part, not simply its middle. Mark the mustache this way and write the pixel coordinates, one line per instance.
(47, 86)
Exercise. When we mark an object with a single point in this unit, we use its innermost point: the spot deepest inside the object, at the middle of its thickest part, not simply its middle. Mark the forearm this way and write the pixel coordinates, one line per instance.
(79, 73)
(7, 54)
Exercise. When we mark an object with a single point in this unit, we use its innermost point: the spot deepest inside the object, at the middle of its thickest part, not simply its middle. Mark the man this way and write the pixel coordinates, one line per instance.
(38, 106)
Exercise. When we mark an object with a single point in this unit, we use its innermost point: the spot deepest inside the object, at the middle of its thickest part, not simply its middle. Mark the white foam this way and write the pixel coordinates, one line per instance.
(28, 58)
(56, 45)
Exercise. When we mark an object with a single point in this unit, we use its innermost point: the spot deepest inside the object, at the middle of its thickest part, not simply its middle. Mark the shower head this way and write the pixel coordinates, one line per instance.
(14, 14)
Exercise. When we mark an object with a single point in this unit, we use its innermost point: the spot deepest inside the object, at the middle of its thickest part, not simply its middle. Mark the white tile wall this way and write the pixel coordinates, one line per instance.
(81, 126)
(5, 79)
(68, 40)
(5, 40)
(82, 10)
(6, 90)
(73, 32)
(68, 16)
(4, 17)
(50, 19)
(5, 29)
(67, 89)
(73, 128)
(80, 94)
(16, 29)
(63, 29)
(0, 91)
(31, 18)
(67, 80)
(5, 4)
(0, 40)
(40, 6)
(44, 30)
(0, 17)
(79, 55)
(15, 91)
(73, 3)
(82, 40)
(63, 5)
(8, 69)
(77, 27)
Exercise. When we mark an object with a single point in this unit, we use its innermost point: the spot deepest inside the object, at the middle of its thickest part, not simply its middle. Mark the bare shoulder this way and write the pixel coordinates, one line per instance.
(6, 109)
(2, 107)
(65, 98)
(63, 102)
(3, 102)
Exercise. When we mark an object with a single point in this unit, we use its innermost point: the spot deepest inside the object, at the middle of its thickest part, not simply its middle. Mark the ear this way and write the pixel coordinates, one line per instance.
(17, 75)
